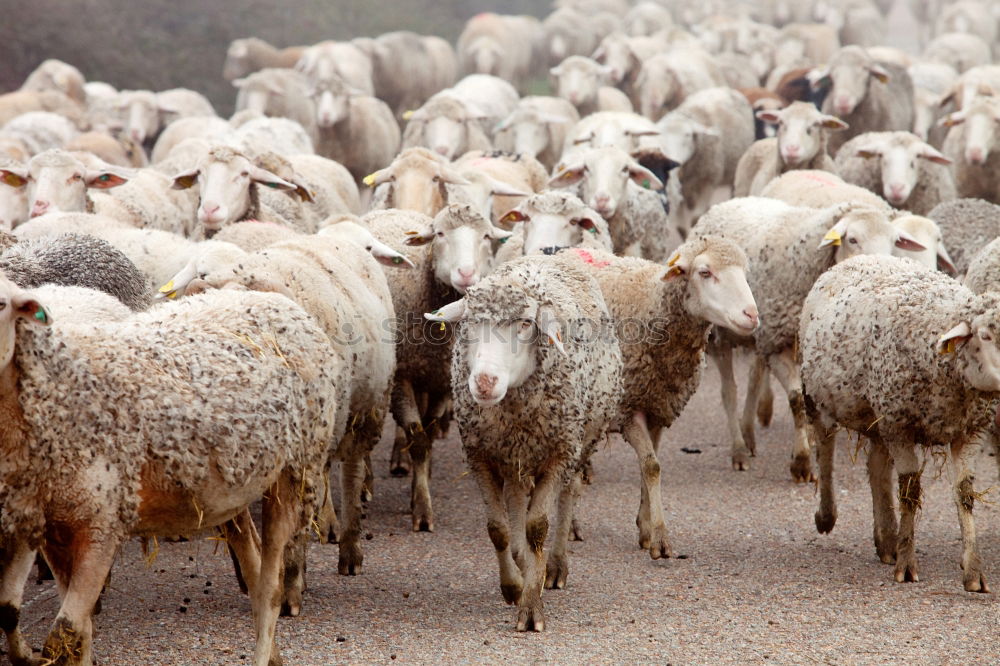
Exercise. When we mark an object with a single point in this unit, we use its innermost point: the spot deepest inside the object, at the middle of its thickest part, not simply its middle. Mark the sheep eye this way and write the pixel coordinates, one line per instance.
(705, 273)
(852, 241)
(985, 336)
(525, 324)
(440, 234)
(3, 305)
(245, 174)
(77, 176)
(436, 179)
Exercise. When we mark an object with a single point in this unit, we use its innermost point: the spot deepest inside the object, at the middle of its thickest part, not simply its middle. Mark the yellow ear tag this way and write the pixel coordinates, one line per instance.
(674, 259)
(408, 114)
(369, 180)
(832, 235)
(949, 347)
(167, 288)
(441, 326)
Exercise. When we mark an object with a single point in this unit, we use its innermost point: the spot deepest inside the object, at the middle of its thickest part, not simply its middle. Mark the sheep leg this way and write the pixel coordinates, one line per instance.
(962, 450)
(908, 471)
(280, 521)
(498, 527)
(765, 396)
(16, 559)
(826, 515)
(557, 566)
(352, 473)
(787, 372)
(81, 561)
(517, 514)
(883, 511)
(243, 542)
(530, 615)
(368, 487)
(398, 464)
(407, 412)
(652, 529)
(326, 515)
(740, 454)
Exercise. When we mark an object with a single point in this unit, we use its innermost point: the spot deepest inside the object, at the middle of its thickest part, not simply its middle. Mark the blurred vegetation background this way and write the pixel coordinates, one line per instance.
(162, 44)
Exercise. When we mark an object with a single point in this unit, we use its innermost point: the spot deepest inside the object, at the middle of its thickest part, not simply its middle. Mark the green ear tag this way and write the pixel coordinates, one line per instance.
(504, 240)
(645, 183)
(594, 231)
(397, 260)
(273, 186)
(40, 316)
(104, 178)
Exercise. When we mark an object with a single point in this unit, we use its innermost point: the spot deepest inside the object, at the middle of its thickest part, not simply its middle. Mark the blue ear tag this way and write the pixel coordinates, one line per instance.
(40, 315)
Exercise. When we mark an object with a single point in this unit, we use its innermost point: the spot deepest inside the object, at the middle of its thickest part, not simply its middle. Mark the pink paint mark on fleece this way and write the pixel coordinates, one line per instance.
(589, 258)
(821, 179)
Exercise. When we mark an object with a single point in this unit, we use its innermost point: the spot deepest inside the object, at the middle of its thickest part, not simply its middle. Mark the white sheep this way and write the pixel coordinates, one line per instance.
(416, 180)
(968, 224)
(497, 181)
(931, 82)
(534, 392)
(503, 46)
(15, 103)
(246, 56)
(111, 465)
(628, 131)
(58, 76)
(538, 127)
(972, 145)
(550, 221)
(706, 136)
(208, 128)
(282, 136)
(867, 95)
(819, 189)
(788, 248)
(666, 79)
(278, 92)
(922, 370)
(121, 152)
(800, 144)
(925, 231)
(623, 55)
(618, 188)
(584, 83)
(409, 68)
(38, 131)
(961, 51)
(568, 32)
(329, 60)
(909, 173)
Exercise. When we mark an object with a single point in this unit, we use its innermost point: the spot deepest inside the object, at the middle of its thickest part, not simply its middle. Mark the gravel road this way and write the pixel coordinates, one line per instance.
(753, 583)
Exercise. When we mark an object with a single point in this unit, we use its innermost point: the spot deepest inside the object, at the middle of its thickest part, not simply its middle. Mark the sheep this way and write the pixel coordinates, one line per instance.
(616, 186)
(925, 231)
(246, 56)
(133, 445)
(805, 43)
(278, 92)
(76, 260)
(582, 81)
(537, 127)
(335, 279)
(867, 95)
(209, 128)
(229, 189)
(800, 144)
(819, 189)
(358, 131)
(788, 248)
(282, 136)
(666, 79)
(921, 370)
(984, 272)
(409, 68)
(968, 224)
(970, 145)
(108, 149)
(461, 252)
(503, 46)
(647, 19)
(968, 17)
(14, 204)
(38, 131)
(737, 70)
(931, 82)
(329, 60)
(858, 22)
(497, 181)
(909, 173)
(958, 50)
(148, 112)
(706, 136)
(673, 307)
(253, 236)
(623, 55)
(15, 103)
(552, 220)
(417, 180)
(58, 76)
(530, 413)
(628, 131)
(568, 32)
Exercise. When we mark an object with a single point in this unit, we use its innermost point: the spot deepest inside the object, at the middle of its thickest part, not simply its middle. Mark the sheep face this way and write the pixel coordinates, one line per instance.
(614, 53)
(446, 136)
(547, 232)
(331, 106)
(850, 77)
(237, 60)
(142, 115)
(417, 181)
(800, 131)
(57, 182)
(578, 79)
(980, 120)
(975, 341)
(486, 55)
(867, 231)
(657, 91)
(16, 303)
(603, 174)
(525, 133)
(926, 232)
(717, 290)
(900, 167)
(682, 136)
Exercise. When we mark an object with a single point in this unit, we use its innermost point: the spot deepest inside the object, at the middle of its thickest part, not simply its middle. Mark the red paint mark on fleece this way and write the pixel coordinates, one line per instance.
(589, 258)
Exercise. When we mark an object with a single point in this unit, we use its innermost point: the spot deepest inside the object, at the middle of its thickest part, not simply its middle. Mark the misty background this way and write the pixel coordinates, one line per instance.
(162, 44)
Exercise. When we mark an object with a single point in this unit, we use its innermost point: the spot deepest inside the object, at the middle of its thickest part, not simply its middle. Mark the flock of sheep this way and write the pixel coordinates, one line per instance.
(197, 314)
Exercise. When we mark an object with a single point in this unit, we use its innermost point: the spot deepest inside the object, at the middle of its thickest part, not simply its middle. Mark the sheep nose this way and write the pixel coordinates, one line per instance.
(792, 150)
(442, 150)
(896, 190)
(39, 208)
(136, 135)
(843, 104)
(466, 272)
(751, 314)
(975, 155)
(485, 384)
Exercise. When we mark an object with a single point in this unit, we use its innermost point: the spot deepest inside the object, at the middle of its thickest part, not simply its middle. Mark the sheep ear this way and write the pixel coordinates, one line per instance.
(946, 99)
(832, 123)
(953, 339)
(585, 223)
(952, 119)
(185, 180)
(448, 175)
(239, 83)
(105, 179)
(386, 256)
(770, 117)
(834, 235)
(14, 177)
(178, 284)
(879, 73)
(268, 179)
(452, 312)
(933, 155)
(512, 217)
(944, 262)
(905, 241)
(677, 266)
(502, 189)
(868, 152)
(566, 177)
(551, 328)
(499, 234)
(30, 310)
(419, 237)
(644, 178)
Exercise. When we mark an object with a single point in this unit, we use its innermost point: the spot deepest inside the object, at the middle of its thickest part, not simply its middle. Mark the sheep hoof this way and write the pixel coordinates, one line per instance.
(975, 582)
(906, 572)
(885, 548)
(801, 469)
(350, 560)
(399, 470)
(511, 592)
(825, 522)
(289, 609)
(741, 460)
(556, 572)
(275, 659)
(765, 410)
(574, 533)
(659, 544)
(422, 523)
(531, 619)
